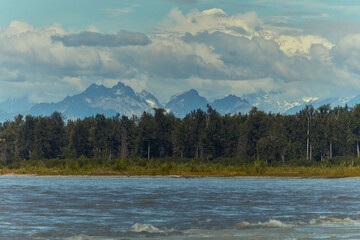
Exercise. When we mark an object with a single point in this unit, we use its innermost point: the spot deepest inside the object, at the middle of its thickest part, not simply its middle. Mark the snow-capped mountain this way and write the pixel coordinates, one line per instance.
(150, 99)
(99, 99)
(271, 101)
(183, 103)
(334, 102)
(275, 102)
(353, 101)
(123, 100)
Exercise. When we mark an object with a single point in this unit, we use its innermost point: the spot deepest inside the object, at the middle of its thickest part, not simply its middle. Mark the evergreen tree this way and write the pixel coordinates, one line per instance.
(146, 136)
(256, 125)
(26, 137)
(80, 139)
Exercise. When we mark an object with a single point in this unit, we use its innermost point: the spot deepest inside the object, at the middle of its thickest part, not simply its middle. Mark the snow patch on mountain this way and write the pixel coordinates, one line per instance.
(183, 103)
(310, 99)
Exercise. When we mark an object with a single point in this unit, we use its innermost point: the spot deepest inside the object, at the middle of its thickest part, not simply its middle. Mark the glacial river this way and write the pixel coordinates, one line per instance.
(178, 208)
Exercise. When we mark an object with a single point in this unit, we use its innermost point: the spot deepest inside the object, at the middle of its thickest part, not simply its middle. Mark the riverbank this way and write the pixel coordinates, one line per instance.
(228, 172)
(187, 168)
(146, 176)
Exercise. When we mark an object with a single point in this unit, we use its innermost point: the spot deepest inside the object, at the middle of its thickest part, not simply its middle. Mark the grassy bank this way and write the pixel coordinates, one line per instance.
(302, 172)
(185, 167)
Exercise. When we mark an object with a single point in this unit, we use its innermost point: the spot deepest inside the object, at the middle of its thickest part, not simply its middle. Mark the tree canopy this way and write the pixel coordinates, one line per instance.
(312, 134)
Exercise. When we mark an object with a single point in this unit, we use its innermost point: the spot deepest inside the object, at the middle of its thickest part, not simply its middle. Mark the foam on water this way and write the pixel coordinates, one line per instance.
(333, 221)
(273, 223)
(321, 221)
(272, 229)
(81, 237)
(145, 228)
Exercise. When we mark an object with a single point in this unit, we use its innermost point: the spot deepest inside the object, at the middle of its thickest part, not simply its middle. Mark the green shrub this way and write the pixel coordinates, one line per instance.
(260, 167)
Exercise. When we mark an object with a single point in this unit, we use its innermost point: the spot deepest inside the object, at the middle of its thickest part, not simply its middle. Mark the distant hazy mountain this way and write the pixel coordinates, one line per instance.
(4, 116)
(334, 102)
(16, 105)
(123, 100)
(272, 101)
(12, 107)
(231, 104)
(99, 99)
(183, 103)
(352, 102)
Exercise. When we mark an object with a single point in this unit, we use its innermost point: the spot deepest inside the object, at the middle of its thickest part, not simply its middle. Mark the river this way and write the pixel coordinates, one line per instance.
(178, 208)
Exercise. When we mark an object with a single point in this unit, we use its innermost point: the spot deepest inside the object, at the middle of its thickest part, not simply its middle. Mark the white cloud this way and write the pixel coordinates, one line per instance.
(247, 25)
(347, 52)
(212, 51)
(212, 20)
(120, 11)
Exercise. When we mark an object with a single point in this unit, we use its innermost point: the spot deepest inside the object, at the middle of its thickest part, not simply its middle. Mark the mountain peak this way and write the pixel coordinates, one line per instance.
(231, 96)
(191, 92)
(185, 102)
(119, 85)
(94, 88)
(122, 89)
(231, 104)
(150, 99)
(98, 99)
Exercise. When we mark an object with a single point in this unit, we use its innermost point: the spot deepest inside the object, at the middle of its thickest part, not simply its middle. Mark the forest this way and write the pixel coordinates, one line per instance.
(312, 135)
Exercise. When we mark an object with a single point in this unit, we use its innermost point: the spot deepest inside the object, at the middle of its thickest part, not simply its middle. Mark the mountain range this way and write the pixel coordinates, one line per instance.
(124, 100)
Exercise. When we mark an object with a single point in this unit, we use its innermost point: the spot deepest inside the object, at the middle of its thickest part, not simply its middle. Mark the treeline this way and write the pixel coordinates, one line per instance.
(312, 134)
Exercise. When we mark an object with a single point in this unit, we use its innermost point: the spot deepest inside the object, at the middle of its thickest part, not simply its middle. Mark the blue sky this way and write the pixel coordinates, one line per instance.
(50, 49)
(145, 15)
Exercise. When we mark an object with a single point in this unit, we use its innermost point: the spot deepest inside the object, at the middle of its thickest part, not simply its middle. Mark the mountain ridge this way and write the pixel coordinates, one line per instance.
(124, 100)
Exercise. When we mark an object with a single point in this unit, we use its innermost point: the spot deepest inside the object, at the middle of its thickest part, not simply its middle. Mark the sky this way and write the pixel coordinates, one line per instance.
(50, 49)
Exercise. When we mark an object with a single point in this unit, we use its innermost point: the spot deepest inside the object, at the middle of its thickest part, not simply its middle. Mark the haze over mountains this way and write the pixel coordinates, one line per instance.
(124, 100)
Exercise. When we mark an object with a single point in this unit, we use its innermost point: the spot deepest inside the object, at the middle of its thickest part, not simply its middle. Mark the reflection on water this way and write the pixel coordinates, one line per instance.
(173, 208)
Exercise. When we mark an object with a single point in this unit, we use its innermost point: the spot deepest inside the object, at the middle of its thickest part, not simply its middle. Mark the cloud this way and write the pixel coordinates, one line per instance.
(247, 25)
(347, 53)
(220, 53)
(94, 39)
(211, 20)
(120, 11)
(257, 58)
